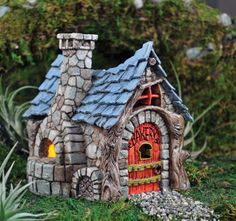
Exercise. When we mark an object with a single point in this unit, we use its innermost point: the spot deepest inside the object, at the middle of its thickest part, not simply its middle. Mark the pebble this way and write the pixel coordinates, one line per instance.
(172, 205)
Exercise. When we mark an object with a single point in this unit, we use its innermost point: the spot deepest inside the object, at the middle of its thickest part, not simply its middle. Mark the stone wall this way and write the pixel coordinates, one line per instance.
(49, 179)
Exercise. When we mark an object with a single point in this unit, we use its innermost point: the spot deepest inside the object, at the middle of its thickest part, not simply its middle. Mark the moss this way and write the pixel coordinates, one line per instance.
(29, 39)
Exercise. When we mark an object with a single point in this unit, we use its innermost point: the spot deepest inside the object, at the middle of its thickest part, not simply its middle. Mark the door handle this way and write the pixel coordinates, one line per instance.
(157, 169)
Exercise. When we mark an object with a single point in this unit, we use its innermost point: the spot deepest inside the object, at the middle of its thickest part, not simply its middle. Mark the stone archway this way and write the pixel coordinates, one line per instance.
(145, 116)
(86, 183)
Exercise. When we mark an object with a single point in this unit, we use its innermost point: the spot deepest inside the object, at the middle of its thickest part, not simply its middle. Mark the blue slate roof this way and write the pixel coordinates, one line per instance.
(110, 91)
(41, 103)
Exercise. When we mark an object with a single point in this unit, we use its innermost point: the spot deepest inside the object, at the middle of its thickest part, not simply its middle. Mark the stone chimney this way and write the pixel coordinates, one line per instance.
(76, 74)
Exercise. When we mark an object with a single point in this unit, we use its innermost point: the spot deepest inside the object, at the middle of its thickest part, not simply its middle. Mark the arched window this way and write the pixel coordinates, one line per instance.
(150, 96)
(47, 149)
(145, 151)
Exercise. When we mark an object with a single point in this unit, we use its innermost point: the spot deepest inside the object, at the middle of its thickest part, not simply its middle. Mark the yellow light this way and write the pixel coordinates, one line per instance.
(51, 151)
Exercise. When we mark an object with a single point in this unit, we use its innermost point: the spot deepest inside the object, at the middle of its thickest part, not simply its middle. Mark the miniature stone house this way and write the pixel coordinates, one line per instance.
(105, 134)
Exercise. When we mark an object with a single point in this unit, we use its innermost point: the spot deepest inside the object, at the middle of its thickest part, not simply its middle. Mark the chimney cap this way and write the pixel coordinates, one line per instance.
(77, 36)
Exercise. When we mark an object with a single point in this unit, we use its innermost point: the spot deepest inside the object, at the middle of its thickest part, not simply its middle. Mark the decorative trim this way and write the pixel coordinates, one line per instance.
(137, 182)
(141, 167)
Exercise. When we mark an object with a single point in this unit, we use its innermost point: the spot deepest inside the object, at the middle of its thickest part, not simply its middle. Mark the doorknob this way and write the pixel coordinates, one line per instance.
(157, 169)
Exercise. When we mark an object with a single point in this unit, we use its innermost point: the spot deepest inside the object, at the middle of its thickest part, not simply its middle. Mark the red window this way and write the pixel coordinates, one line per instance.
(150, 96)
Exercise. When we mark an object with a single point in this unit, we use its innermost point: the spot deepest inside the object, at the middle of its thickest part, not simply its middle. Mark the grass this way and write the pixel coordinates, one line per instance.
(213, 182)
(73, 210)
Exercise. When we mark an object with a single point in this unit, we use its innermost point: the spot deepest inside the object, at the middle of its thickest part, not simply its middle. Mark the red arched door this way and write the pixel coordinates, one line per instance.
(144, 159)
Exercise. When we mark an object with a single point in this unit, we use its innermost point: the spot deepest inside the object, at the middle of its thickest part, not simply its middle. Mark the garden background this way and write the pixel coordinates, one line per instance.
(197, 48)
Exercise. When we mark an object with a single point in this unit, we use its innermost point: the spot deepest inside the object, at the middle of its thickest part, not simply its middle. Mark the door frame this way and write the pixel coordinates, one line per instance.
(139, 117)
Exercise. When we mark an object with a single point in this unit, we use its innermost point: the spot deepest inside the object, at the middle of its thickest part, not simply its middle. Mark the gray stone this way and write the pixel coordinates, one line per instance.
(123, 154)
(68, 172)
(74, 147)
(193, 53)
(90, 54)
(59, 147)
(135, 122)
(73, 71)
(64, 79)
(130, 127)
(80, 82)
(81, 64)
(163, 130)
(164, 174)
(56, 117)
(66, 187)
(67, 109)
(38, 170)
(164, 146)
(167, 205)
(30, 180)
(127, 135)
(138, 4)
(81, 54)
(75, 158)
(141, 117)
(72, 81)
(69, 102)
(165, 154)
(73, 60)
(153, 117)
(225, 20)
(59, 173)
(86, 74)
(165, 139)
(56, 188)
(124, 172)
(28, 168)
(74, 193)
(87, 85)
(48, 172)
(91, 151)
(70, 92)
(88, 63)
(73, 137)
(123, 163)
(124, 191)
(124, 181)
(53, 134)
(165, 183)
(148, 116)
(60, 158)
(3, 10)
(165, 164)
(89, 130)
(97, 175)
(124, 145)
(43, 187)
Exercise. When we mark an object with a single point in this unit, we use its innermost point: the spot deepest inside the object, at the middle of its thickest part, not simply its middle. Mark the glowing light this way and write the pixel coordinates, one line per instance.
(51, 151)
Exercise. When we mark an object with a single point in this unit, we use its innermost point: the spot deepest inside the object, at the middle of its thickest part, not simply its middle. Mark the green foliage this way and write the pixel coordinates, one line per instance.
(11, 122)
(18, 171)
(28, 37)
(214, 182)
(11, 205)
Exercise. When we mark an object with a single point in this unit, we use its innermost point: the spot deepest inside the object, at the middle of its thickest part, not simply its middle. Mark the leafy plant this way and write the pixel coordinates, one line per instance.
(189, 133)
(11, 204)
(11, 121)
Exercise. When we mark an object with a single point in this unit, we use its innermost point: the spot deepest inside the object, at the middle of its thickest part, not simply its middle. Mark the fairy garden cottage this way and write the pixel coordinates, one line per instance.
(105, 134)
